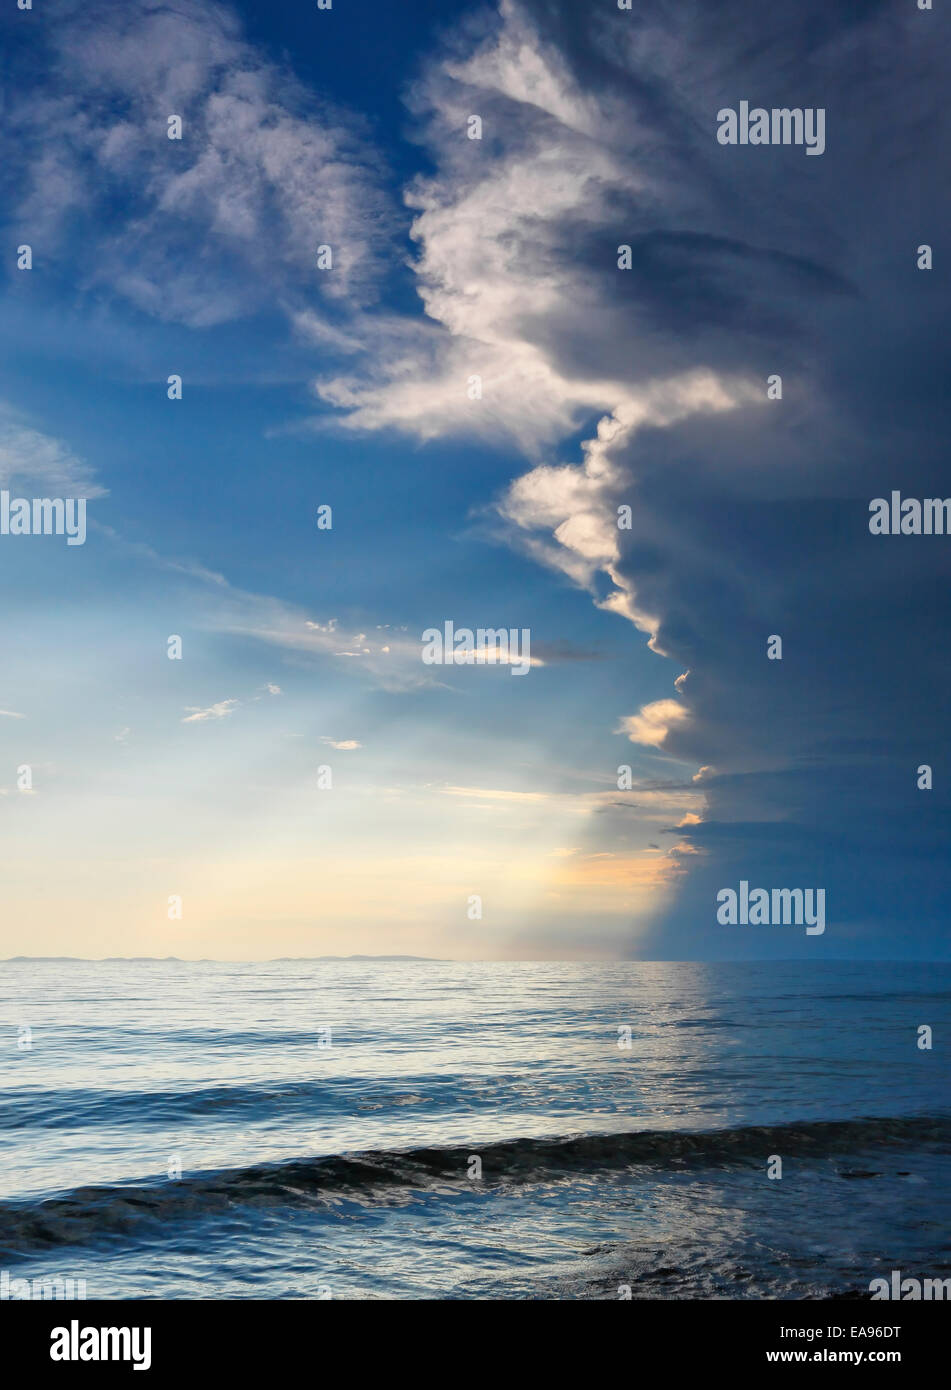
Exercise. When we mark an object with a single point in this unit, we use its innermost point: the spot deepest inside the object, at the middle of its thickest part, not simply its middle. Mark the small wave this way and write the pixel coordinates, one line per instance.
(92, 1213)
(80, 1107)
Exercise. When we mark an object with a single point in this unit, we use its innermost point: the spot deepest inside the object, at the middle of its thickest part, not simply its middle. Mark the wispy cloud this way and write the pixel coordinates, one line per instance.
(216, 225)
(30, 458)
(216, 711)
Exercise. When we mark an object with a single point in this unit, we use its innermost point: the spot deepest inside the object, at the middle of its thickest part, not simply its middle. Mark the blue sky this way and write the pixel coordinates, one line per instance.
(497, 258)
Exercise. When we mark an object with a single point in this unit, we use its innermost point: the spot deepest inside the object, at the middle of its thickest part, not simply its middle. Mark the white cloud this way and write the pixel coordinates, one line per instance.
(493, 270)
(653, 722)
(483, 273)
(29, 458)
(577, 504)
(221, 223)
(216, 711)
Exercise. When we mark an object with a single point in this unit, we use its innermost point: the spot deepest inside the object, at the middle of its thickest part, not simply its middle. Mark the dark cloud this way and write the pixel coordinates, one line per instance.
(755, 522)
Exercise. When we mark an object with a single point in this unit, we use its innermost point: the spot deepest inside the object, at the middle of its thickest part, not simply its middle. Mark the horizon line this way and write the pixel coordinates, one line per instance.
(483, 960)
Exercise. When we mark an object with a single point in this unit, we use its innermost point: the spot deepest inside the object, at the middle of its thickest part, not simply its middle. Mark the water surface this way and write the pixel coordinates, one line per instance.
(328, 1120)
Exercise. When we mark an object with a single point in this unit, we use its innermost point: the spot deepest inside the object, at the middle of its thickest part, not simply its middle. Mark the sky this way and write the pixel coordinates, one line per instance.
(479, 384)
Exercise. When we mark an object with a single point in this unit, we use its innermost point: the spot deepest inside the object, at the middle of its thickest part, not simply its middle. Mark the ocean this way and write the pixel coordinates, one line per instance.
(390, 1129)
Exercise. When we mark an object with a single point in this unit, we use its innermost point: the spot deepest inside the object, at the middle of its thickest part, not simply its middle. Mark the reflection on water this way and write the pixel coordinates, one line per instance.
(223, 1073)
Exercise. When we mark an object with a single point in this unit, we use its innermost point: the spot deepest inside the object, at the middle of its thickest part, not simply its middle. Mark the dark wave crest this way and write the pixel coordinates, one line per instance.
(93, 1213)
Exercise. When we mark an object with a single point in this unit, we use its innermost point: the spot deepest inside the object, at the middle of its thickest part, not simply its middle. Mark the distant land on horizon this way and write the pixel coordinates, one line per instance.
(451, 960)
(207, 960)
